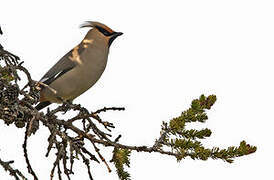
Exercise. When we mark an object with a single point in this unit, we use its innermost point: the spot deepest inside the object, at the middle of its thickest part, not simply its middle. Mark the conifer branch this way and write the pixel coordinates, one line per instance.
(69, 142)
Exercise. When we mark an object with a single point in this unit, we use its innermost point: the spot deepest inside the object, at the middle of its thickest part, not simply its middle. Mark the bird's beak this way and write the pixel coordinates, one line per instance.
(114, 36)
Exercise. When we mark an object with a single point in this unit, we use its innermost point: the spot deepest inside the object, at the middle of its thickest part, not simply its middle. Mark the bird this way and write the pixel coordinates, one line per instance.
(80, 68)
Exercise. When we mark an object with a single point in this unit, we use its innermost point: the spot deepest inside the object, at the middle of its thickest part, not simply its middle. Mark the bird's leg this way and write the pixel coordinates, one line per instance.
(66, 104)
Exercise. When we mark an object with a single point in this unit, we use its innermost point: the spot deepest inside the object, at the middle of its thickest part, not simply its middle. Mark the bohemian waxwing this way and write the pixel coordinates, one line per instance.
(80, 68)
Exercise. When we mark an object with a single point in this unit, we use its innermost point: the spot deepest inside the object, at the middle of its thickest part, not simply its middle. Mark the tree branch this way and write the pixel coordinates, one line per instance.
(13, 172)
(70, 141)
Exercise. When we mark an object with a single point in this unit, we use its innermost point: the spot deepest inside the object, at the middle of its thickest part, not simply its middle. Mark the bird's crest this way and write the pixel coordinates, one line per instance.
(96, 25)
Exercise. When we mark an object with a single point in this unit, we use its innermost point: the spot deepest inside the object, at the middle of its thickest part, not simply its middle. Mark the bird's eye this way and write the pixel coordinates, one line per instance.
(103, 31)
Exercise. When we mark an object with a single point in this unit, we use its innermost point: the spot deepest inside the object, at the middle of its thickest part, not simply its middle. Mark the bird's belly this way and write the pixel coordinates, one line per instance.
(76, 82)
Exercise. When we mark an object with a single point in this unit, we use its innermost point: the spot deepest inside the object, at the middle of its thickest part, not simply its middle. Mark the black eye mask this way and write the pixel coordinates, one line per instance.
(103, 31)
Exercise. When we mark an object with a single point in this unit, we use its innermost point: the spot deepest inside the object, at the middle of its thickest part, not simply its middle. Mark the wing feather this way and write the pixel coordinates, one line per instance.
(61, 67)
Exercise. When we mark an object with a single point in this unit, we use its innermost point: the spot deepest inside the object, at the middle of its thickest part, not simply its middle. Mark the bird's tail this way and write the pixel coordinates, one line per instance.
(42, 105)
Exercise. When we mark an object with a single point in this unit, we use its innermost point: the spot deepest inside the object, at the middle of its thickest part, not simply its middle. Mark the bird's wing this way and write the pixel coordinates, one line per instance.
(64, 65)
(61, 67)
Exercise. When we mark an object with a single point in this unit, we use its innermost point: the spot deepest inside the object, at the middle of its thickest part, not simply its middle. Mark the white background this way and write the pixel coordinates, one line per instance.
(171, 52)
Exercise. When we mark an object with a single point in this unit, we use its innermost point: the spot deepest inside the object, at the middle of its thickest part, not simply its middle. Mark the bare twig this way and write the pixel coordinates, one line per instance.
(13, 172)
(101, 157)
(109, 108)
(56, 163)
(86, 162)
(30, 170)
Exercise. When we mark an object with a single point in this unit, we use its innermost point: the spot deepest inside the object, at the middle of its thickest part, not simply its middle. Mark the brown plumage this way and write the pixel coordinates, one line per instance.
(80, 68)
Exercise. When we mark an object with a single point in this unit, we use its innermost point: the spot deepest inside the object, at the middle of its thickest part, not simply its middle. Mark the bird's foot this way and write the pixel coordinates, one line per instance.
(66, 104)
